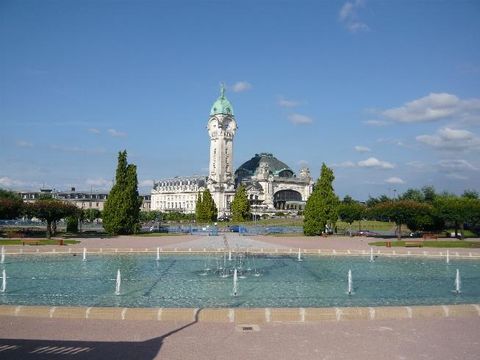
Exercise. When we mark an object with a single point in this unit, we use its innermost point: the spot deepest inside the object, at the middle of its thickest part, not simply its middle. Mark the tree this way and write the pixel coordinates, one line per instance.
(409, 212)
(429, 194)
(199, 208)
(350, 212)
(322, 205)
(51, 211)
(470, 194)
(121, 214)
(92, 214)
(11, 205)
(457, 211)
(7, 194)
(413, 194)
(240, 205)
(205, 210)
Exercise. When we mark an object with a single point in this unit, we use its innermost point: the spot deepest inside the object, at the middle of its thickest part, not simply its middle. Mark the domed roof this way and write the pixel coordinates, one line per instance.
(275, 166)
(222, 105)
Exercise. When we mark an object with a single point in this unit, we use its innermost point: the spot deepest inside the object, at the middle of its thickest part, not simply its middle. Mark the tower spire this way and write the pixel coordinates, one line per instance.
(222, 90)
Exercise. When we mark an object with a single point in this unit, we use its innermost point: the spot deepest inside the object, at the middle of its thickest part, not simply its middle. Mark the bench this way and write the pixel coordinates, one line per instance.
(430, 236)
(413, 243)
(30, 242)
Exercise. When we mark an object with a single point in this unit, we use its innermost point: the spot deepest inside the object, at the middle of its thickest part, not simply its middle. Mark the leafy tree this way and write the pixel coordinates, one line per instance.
(121, 214)
(413, 194)
(7, 194)
(92, 214)
(240, 205)
(470, 194)
(51, 211)
(348, 200)
(72, 224)
(322, 205)
(429, 194)
(372, 201)
(11, 205)
(350, 212)
(149, 216)
(409, 212)
(457, 211)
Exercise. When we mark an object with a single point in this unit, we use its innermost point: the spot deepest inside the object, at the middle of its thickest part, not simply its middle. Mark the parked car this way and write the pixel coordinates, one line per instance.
(416, 234)
(234, 228)
(365, 233)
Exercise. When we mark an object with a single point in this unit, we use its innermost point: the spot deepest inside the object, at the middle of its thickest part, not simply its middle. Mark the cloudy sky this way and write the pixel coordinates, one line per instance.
(385, 92)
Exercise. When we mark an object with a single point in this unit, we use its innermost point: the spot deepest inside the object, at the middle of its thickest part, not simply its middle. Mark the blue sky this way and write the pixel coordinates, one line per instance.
(385, 92)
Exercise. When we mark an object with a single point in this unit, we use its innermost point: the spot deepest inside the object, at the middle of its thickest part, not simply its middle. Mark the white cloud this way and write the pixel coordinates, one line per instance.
(345, 164)
(282, 102)
(9, 182)
(146, 183)
(362, 149)
(435, 107)
(299, 119)
(99, 182)
(372, 162)
(394, 180)
(241, 86)
(349, 16)
(376, 123)
(94, 131)
(116, 133)
(451, 139)
(24, 144)
(456, 165)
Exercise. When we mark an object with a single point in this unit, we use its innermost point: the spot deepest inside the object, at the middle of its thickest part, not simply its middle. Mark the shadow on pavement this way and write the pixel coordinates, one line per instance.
(66, 349)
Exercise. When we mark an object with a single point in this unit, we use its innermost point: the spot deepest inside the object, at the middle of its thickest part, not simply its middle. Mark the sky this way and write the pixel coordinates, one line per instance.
(386, 93)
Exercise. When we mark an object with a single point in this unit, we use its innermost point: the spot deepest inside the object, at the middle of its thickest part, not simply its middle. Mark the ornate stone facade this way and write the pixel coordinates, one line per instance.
(178, 194)
(271, 185)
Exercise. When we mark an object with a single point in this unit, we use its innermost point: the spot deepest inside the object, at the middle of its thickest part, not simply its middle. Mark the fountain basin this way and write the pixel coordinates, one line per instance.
(180, 281)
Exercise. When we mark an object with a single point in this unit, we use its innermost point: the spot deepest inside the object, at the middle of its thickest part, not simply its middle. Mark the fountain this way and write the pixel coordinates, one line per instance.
(448, 257)
(235, 280)
(4, 281)
(350, 287)
(458, 283)
(158, 254)
(118, 282)
(2, 260)
(229, 255)
(371, 255)
(84, 254)
(299, 255)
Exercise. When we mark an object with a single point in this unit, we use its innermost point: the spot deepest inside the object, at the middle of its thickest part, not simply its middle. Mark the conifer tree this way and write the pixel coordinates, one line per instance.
(199, 208)
(322, 205)
(240, 205)
(206, 210)
(121, 213)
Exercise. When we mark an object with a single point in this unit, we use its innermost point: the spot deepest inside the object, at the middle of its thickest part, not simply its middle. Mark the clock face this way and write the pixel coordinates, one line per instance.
(231, 125)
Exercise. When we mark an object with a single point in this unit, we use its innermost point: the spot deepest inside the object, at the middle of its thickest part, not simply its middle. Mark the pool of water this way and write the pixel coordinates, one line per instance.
(207, 281)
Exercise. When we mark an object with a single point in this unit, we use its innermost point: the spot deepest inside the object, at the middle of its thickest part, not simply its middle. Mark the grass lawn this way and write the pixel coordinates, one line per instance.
(433, 244)
(40, 241)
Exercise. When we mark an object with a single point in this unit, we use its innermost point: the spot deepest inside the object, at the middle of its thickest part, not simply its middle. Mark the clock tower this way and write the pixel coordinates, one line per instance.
(221, 129)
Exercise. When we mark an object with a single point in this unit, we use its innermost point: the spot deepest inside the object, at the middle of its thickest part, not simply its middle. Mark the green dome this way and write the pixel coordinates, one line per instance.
(275, 166)
(221, 105)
